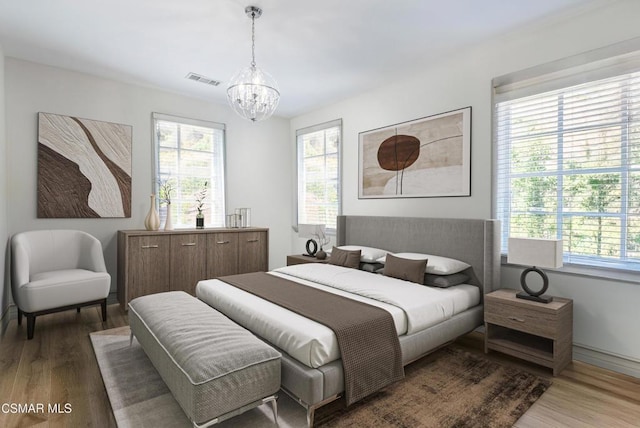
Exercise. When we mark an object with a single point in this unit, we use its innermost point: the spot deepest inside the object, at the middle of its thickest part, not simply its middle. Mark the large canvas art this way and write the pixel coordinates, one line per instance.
(427, 157)
(84, 168)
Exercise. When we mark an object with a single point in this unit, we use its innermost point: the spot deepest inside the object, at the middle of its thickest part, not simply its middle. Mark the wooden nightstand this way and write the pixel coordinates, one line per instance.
(298, 259)
(537, 332)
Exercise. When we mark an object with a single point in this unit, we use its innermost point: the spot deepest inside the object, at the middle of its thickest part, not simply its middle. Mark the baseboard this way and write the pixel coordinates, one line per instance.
(10, 312)
(112, 298)
(606, 360)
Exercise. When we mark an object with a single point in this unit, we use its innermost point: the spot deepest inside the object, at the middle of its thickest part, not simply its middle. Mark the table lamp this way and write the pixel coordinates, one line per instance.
(537, 253)
(311, 231)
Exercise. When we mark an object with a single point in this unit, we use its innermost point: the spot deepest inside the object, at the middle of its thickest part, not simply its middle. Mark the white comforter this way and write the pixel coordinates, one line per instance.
(413, 307)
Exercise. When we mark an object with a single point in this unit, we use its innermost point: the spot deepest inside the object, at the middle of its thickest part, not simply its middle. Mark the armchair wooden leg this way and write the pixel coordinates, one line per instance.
(19, 317)
(78, 310)
(103, 305)
(31, 325)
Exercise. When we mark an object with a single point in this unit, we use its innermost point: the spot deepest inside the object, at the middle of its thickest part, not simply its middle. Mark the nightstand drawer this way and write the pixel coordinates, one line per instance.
(528, 320)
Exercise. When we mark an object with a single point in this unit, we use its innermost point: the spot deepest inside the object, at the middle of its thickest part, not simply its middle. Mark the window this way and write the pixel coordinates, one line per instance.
(190, 155)
(568, 166)
(319, 174)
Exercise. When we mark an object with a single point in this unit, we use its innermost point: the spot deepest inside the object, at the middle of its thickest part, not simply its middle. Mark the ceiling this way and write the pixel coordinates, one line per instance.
(319, 52)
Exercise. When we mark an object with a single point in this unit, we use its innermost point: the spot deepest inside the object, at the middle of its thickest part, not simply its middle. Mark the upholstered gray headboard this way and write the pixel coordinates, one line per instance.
(474, 241)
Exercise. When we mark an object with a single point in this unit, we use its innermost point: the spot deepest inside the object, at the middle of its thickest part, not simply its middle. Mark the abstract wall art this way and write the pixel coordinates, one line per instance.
(84, 168)
(428, 157)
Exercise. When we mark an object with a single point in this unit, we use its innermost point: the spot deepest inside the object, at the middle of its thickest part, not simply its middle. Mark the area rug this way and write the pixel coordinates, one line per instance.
(449, 388)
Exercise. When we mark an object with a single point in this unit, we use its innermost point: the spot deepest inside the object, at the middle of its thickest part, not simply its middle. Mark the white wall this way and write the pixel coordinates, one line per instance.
(605, 317)
(258, 155)
(4, 234)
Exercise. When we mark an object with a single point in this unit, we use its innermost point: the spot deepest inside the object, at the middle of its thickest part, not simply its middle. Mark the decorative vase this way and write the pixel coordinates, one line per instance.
(168, 225)
(321, 255)
(152, 221)
(199, 220)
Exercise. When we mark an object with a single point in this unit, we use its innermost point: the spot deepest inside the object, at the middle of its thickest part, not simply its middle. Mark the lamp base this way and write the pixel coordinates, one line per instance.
(541, 299)
(312, 248)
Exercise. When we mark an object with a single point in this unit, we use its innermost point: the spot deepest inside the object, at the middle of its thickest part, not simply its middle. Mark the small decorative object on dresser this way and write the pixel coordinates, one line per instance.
(243, 217)
(165, 188)
(541, 333)
(201, 196)
(152, 221)
(546, 253)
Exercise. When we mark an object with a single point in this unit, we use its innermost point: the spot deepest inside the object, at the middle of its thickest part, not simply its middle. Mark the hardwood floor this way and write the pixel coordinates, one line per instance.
(58, 367)
(581, 396)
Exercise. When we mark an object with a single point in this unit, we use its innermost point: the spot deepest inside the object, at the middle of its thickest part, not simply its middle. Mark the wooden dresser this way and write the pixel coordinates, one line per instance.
(153, 262)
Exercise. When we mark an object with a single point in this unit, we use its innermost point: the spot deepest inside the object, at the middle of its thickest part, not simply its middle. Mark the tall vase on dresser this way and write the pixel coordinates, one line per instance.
(168, 224)
(152, 221)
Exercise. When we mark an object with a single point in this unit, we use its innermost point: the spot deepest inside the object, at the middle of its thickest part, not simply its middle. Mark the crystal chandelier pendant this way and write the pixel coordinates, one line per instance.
(253, 93)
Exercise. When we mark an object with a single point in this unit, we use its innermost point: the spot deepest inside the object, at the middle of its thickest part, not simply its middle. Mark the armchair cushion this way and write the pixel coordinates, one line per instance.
(62, 288)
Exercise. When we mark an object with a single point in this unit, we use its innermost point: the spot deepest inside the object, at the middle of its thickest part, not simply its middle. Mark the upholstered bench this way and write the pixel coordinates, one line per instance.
(214, 368)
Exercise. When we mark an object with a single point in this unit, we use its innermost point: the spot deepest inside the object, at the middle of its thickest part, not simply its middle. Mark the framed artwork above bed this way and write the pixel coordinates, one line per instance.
(422, 158)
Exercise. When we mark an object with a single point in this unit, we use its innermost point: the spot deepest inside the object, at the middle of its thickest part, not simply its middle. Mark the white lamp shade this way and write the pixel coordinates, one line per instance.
(311, 230)
(545, 253)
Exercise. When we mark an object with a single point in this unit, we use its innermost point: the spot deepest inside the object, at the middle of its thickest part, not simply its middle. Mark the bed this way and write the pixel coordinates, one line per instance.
(312, 373)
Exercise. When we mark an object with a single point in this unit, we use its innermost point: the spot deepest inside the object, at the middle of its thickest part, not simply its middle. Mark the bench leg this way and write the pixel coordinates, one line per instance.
(310, 413)
(274, 407)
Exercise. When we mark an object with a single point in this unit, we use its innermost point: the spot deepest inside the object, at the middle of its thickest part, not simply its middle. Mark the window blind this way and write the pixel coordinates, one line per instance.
(568, 166)
(318, 149)
(190, 154)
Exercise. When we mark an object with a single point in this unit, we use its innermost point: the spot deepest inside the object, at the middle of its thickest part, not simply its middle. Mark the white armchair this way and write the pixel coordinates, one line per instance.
(57, 270)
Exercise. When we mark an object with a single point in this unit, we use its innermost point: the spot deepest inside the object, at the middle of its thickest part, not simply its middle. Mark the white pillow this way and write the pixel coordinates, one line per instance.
(367, 254)
(436, 265)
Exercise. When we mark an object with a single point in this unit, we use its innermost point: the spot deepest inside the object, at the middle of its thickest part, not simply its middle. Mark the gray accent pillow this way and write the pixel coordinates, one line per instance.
(444, 281)
(371, 267)
(406, 269)
(350, 259)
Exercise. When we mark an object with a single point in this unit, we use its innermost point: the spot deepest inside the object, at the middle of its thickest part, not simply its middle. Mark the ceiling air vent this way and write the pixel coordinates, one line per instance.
(199, 78)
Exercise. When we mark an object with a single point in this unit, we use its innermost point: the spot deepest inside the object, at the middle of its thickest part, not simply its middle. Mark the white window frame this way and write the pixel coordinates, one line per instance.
(619, 59)
(155, 181)
(300, 177)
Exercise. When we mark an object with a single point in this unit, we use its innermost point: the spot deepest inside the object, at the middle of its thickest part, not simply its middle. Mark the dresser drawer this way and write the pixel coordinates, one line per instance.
(525, 319)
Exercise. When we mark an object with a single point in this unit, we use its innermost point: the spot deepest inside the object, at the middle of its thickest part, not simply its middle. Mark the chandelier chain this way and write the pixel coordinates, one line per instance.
(253, 39)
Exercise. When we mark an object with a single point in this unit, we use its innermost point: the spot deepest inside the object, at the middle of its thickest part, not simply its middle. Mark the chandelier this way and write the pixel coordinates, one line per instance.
(252, 92)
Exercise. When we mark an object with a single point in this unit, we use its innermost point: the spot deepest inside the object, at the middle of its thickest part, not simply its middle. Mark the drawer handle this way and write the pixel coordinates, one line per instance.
(252, 240)
(189, 244)
(516, 319)
(145, 247)
(222, 242)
